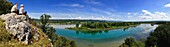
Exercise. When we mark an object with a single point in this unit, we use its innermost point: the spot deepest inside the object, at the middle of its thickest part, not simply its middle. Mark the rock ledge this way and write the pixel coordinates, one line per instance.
(18, 26)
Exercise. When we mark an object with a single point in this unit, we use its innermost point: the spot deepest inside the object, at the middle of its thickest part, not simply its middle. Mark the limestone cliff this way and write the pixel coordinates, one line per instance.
(23, 32)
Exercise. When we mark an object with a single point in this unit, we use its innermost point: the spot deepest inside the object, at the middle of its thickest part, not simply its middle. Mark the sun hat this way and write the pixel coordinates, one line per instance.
(22, 5)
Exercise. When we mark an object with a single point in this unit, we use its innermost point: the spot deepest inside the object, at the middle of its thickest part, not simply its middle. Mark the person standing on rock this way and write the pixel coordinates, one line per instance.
(14, 9)
(21, 10)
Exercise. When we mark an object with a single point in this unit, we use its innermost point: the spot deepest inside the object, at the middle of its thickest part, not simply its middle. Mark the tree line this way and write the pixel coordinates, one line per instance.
(106, 24)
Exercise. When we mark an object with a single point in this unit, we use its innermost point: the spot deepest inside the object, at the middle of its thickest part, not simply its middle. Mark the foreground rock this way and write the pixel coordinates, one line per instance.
(24, 32)
(18, 26)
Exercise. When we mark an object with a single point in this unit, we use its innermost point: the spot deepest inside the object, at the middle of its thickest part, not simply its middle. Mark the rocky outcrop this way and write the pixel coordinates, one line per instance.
(18, 26)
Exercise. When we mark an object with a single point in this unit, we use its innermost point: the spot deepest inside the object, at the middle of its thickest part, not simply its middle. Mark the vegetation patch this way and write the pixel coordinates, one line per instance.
(102, 26)
(159, 38)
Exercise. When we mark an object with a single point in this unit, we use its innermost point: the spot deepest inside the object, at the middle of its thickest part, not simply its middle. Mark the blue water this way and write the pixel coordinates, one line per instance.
(110, 38)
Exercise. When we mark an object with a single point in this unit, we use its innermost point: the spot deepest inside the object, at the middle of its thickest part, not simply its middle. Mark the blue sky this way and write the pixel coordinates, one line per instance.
(99, 9)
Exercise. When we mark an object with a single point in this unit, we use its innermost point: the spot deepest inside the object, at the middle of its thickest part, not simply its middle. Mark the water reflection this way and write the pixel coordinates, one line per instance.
(124, 29)
(107, 38)
(106, 31)
(91, 32)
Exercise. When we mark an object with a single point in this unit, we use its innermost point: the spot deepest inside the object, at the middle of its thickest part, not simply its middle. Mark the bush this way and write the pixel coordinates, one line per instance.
(130, 42)
(5, 6)
(4, 34)
(160, 37)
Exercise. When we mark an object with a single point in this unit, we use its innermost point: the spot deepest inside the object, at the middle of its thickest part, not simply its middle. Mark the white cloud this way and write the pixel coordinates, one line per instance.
(146, 12)
(132, 13)
(128, 13)
(144, 16)
(167, 5)
(73, 16)
(70, 5)
(147, 16)
(153, 16)
(93, 2)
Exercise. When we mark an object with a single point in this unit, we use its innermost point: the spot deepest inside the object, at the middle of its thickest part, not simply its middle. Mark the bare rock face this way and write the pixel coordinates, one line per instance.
(18, 26)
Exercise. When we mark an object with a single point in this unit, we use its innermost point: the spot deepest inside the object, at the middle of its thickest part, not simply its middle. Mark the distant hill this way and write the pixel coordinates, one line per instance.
(90, 20)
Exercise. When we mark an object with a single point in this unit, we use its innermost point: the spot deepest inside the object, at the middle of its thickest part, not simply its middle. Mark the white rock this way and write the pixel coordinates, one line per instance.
(18, 26)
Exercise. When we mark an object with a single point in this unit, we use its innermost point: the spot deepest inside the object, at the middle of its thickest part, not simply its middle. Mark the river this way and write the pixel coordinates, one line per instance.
(110, 38)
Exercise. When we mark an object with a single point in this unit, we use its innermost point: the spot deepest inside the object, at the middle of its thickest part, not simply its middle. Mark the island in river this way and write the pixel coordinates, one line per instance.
(102, 26)
(99, 25)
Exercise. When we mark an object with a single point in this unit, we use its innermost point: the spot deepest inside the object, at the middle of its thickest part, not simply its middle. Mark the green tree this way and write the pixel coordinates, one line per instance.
(73, 44)
(50, 32)
(44, 20)
(77, 25)
(151, 41)
(5, 6)
(130, 42)
(106, 25)
(160, 37)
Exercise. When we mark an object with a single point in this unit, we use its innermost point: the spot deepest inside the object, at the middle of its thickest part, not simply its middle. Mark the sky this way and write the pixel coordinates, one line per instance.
(125, 10)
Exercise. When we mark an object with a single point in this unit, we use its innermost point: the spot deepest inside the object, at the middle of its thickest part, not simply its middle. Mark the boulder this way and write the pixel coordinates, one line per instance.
(18, 26)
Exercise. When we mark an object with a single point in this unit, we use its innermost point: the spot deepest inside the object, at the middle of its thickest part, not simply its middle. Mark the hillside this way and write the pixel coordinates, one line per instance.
(16, 31)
